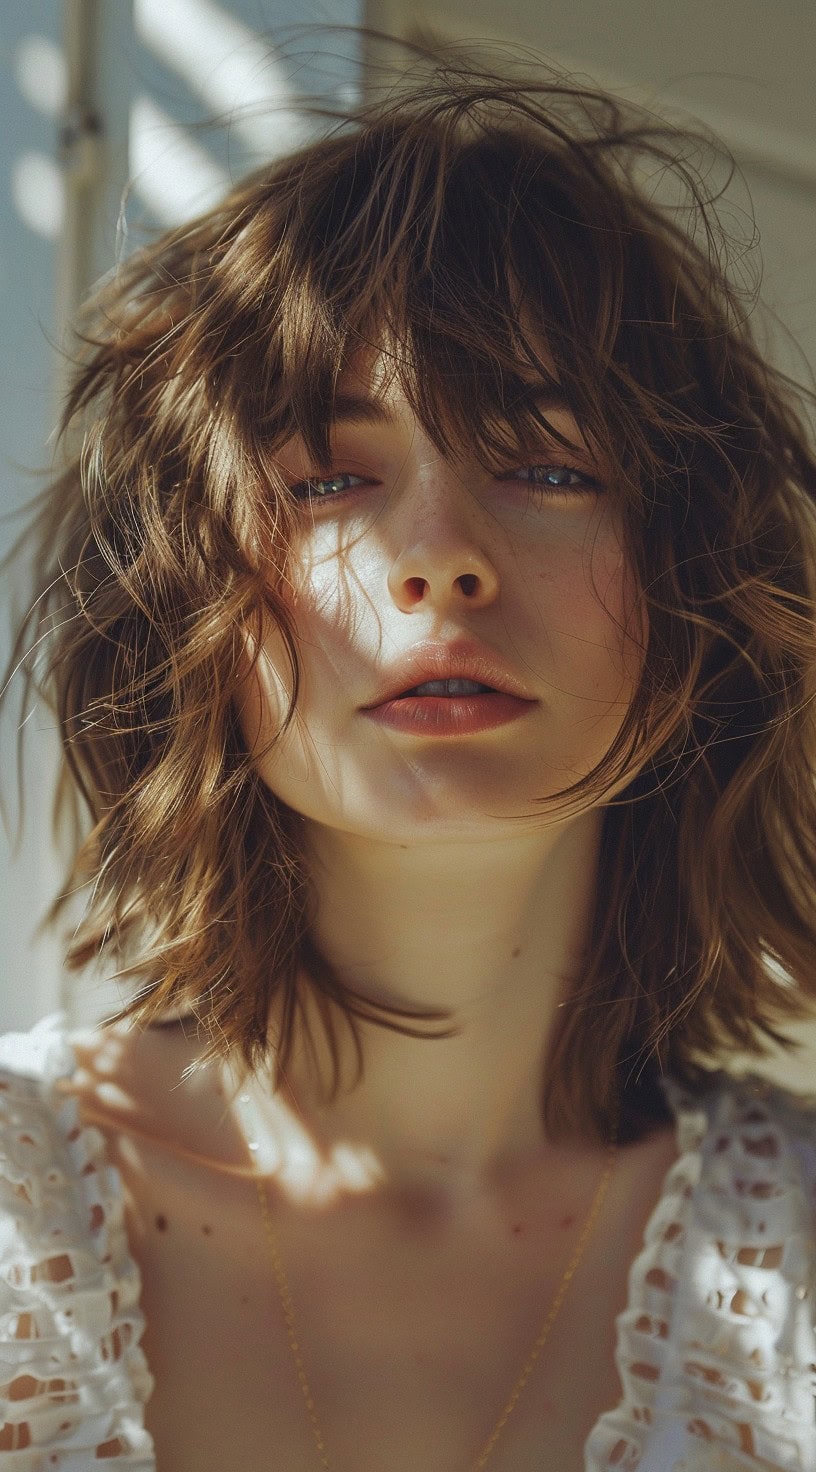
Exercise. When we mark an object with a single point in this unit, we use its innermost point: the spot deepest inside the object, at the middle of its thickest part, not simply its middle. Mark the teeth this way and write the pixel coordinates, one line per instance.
(449, 687)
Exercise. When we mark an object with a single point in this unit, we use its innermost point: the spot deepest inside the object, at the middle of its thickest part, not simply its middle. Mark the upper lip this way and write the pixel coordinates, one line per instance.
(464, 659)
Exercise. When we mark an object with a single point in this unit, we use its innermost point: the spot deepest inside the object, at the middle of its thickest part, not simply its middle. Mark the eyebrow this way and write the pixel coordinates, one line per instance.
(354, 409)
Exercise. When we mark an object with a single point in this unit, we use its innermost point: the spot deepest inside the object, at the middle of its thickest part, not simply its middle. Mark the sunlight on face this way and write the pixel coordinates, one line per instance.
(403, 547)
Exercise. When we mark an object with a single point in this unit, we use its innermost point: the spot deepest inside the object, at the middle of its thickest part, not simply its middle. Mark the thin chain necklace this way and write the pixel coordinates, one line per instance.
(552, 1313)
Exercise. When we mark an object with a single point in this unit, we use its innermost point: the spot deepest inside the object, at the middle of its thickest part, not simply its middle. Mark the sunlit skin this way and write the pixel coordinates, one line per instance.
(439, 880)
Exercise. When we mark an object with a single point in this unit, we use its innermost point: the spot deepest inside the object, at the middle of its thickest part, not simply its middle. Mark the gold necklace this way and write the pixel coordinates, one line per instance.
(569, 1273)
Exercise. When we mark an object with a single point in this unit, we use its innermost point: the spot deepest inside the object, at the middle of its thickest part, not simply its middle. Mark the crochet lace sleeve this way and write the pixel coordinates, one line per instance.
(73, 1379)
(717, 1348)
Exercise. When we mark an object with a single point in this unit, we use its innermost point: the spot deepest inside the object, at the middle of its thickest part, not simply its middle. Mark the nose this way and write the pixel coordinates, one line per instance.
(444, 562)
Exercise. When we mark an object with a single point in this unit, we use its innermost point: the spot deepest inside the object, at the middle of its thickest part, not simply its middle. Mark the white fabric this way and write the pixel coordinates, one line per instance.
(716, 1349)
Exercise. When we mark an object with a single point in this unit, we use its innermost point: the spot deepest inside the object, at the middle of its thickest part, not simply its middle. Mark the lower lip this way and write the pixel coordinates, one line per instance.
(449, 715)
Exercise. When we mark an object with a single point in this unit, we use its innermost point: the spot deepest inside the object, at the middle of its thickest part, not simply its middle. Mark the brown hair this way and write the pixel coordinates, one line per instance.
(461, 220)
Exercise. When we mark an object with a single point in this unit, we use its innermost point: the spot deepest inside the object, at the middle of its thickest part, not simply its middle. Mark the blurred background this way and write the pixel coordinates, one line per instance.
(119, 116)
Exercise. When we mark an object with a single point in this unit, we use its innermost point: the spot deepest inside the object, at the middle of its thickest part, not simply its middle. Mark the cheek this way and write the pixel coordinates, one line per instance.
(588, 608)
(318, 597)
(615, 590)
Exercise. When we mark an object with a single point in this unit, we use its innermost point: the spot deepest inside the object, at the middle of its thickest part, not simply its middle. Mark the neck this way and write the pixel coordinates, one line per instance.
(493, 932)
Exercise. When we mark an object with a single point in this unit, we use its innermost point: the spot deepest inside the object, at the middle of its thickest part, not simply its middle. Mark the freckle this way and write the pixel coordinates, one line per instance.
(516, 952)
(207, 1230)
(245, 1298)
(567, 1221)
(161, 1223)
(518, 1228)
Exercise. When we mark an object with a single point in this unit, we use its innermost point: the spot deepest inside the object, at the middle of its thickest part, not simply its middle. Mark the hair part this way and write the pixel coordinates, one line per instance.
(456, 226)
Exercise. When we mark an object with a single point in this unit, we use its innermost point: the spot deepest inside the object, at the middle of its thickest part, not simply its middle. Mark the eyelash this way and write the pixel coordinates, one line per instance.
(588, 482)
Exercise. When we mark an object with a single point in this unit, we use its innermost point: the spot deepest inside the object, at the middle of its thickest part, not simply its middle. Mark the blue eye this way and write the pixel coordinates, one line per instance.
(541, 477)
(310, 490)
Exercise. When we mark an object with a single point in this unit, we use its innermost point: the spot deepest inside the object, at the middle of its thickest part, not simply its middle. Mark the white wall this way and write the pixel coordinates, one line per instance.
(31, 98)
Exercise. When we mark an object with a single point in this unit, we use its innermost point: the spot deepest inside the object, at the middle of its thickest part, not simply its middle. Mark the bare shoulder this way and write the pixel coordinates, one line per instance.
(129, 1082)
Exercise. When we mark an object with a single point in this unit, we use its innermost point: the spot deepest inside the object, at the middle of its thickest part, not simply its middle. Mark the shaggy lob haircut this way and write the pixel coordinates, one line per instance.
(459, 223)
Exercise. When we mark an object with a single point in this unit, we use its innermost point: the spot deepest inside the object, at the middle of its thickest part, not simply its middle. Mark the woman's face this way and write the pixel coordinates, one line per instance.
(404, 554)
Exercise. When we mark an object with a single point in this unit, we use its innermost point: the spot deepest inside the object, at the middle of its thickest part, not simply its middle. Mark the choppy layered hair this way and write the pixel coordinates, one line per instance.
(456, 222)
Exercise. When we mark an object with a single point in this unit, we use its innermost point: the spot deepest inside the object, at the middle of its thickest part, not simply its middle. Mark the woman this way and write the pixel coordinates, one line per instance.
(430, 623)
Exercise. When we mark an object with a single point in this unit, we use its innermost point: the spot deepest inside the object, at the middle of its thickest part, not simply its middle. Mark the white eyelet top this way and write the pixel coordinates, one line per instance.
(716, 1349)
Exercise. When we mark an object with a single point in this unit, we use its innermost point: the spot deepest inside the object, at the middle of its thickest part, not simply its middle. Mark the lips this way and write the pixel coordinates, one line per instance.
(463, 659)
(433, 717)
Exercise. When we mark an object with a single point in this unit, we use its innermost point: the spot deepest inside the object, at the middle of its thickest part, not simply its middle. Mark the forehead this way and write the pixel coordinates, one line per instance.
(472, 403)
(369, 390)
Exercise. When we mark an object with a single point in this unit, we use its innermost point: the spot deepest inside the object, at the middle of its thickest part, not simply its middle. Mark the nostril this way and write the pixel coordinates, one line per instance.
(468, 581)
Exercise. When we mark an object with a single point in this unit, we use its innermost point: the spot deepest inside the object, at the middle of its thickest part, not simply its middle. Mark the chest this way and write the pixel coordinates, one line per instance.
(411, 1356)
